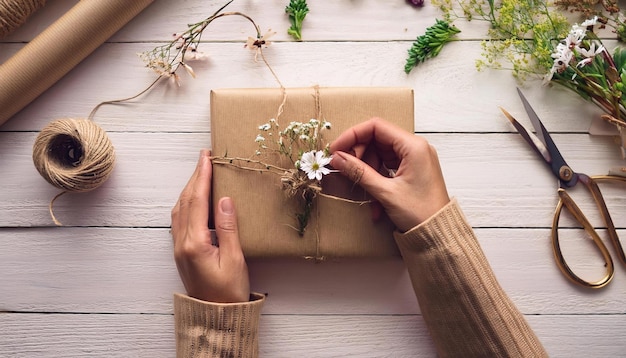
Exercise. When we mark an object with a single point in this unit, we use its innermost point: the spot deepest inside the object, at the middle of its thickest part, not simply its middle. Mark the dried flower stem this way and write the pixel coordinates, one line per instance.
(294, 184)
(274, 169)
(165, 64)
(95, 109)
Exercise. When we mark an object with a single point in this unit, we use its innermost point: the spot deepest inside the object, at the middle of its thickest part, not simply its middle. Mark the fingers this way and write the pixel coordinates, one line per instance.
(196, 196)
(387, 137)
(226, 228)
(359, 172)
(192, 207)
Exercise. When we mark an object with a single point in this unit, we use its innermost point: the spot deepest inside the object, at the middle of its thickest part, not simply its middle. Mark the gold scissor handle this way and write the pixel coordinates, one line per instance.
(567, 201)
(617, 245)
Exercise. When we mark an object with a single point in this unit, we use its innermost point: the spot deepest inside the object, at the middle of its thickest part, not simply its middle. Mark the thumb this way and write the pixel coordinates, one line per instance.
(226, 227)
(359, 172)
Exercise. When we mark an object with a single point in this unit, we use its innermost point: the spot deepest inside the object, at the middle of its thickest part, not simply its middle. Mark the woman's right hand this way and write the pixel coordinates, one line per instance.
(411, 187)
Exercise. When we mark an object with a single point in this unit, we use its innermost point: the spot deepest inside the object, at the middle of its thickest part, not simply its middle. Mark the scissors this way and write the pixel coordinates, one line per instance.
(542, 144)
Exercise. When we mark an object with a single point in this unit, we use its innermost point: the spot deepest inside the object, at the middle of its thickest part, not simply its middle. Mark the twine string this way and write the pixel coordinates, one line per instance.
(95, 109)
(14, 13)
(318, 256)
(76, 155)
(281, 107)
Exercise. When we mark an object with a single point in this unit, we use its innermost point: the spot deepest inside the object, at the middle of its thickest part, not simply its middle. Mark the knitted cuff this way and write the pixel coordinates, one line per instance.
(448, 223)
(207, 329)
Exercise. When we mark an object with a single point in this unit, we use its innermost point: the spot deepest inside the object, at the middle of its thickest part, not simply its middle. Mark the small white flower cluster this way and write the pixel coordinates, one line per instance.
(571, 46)
(305, 132)
(299, 141)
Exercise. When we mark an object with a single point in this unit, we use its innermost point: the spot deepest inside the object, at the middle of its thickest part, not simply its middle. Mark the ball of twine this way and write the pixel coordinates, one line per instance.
(13, 13)
(74, 155)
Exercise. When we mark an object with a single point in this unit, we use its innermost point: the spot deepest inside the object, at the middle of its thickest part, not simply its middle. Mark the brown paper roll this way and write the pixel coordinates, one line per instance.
(59, 48)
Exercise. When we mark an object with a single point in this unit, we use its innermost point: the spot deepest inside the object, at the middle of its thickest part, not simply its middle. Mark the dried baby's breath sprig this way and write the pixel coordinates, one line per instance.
(297, 10)
(294, 140)
(430, 44)
(165, 60)
(302, 145)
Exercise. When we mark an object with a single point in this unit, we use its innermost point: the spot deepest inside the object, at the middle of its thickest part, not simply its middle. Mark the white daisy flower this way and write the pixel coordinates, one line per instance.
(314, 163)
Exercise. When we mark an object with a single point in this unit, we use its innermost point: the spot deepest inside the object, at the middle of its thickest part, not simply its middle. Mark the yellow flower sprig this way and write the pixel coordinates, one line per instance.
(523, 33)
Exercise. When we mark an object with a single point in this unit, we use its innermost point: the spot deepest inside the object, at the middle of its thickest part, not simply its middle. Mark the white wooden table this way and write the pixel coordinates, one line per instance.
(102, 284)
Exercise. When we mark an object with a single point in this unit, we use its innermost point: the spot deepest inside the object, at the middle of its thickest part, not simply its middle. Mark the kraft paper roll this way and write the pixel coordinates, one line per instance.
(59, 48)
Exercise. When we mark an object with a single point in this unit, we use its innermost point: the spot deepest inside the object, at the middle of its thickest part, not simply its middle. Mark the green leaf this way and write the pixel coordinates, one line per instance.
(297, 11)
(619, 57)
(430, 44)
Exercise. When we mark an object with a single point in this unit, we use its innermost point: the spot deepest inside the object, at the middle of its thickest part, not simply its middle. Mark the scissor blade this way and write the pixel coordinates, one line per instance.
(530, 138)
(556, 160)
(540, 130)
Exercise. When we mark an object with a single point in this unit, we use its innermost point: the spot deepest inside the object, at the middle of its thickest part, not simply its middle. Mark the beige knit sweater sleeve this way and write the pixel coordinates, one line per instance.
(465, 309)
(206, 329)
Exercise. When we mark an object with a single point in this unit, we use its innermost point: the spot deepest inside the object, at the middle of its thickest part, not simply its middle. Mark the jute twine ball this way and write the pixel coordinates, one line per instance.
(74, 155)
(13, 13)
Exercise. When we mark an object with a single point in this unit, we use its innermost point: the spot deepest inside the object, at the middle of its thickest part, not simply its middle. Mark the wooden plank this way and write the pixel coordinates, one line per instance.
(469, 103)
(335, 21)
(131, 270)
(102, 286)
(70, 335)
(491, 180)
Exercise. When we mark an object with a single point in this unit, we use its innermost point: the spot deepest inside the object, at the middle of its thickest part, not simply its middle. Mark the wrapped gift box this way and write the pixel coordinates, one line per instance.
(341, 225)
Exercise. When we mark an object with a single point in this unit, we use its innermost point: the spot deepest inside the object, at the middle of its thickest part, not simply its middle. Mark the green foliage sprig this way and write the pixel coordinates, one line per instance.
(430, 44)
(523, 33)
(297, 10)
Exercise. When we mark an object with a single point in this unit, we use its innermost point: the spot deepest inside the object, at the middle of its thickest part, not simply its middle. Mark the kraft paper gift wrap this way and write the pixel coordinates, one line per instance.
(59, 48)
(338, 227)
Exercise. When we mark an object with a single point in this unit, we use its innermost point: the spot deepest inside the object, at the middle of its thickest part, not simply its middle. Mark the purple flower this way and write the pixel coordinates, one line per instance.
(415, 3)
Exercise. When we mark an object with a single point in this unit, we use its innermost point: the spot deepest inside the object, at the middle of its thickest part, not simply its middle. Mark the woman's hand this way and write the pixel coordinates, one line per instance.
(215, 273)
(397, 168)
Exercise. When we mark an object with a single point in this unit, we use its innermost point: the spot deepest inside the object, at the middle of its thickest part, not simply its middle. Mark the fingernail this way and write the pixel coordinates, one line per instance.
(226, 205)
(204, 155)
(338, 160)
